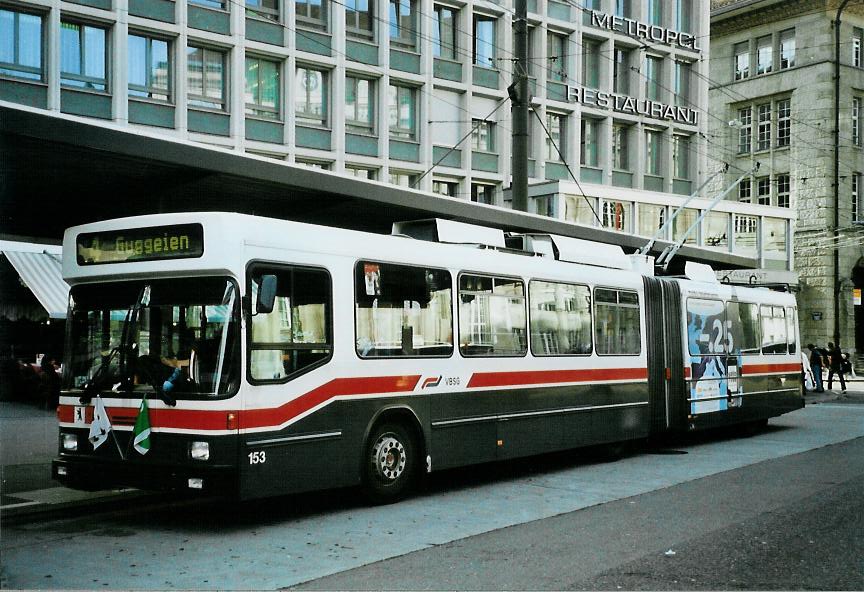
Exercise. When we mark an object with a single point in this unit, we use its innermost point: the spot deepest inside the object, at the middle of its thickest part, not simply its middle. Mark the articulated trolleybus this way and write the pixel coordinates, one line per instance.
(254, 357)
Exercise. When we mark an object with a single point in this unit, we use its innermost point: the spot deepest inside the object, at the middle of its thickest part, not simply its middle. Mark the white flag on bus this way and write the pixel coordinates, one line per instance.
(101, 424)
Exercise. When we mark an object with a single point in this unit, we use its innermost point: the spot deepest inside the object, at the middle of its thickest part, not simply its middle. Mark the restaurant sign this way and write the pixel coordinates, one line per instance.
(632, 105)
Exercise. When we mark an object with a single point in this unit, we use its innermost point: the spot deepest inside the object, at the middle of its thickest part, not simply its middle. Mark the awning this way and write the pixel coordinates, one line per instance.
(42, 274)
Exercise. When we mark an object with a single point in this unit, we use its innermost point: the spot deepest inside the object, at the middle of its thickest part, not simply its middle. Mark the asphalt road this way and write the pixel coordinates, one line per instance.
(785, 524)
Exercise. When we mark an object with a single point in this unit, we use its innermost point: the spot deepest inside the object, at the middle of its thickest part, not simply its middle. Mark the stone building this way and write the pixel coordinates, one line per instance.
(773, 95)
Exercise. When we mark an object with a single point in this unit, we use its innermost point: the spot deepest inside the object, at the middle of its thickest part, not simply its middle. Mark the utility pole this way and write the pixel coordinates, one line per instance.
(837, 171)
(520, 98)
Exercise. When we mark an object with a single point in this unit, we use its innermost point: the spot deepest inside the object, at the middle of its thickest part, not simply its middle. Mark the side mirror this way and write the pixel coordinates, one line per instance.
(266, 294)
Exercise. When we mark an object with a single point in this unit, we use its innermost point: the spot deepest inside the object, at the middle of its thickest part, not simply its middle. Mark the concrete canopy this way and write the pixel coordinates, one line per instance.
(58, 171)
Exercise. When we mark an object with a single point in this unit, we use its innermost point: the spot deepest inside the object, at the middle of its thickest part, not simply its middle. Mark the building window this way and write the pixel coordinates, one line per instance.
(556, 57)
(623, 8)
(322, 165)
(402, 112)
(483, 135)
(590, 63)
(763, 133)
(787, 49)
(448, 188)
(763, 191)
(653, 153)
(484, 40)
(744, 191)
(21, 45)
(403, 27)
(311, 13)
(588, 153)
(555, 123)
(654, 11)
(149, 68)
(444, 32)
(742, 60)
(403, 179)
(262, 88)
(683, 15)
(745, 131)
(621, 71)
(206, 77)
(857, 207)
(310, 99)
(359, 17)
(617, 215)
(784, 123)
(266, 9)
(653, 77)
(681, 156)
(359, 105)
(857, 36)
(620, 147)
(82, 56)
(764, 55)
(217, 4)
(783, 190)
(361, 172)
(682, 83)
(483, 193)
(856, 121)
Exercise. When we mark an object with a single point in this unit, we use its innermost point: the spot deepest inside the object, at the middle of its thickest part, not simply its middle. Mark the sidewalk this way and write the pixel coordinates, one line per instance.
(28, 443)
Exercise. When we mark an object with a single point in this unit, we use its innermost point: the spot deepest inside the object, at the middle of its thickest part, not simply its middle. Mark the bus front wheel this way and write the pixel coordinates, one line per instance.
(390, 463)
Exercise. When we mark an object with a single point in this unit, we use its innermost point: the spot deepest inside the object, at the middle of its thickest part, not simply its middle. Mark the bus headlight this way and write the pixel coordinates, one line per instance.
(70, 442)
(199, 451)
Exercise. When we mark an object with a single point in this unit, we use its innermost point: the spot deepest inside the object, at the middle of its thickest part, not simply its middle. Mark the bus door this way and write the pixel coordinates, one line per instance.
(667, 397)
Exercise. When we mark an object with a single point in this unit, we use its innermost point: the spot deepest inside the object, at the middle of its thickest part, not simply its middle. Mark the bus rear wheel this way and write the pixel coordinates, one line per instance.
(390, 463)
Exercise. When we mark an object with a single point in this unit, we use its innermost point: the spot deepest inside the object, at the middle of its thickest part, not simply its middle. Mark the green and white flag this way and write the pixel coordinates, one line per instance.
(141, 432)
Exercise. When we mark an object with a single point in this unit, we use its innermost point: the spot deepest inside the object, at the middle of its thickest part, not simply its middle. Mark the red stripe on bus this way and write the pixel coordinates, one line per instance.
(484, 379)
(766, 368)
(338, 387)
(195, 419)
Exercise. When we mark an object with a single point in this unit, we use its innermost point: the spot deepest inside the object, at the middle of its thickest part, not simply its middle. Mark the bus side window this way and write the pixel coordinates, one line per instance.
(773, 329)
(742, 323)
(297, 334)
(791, 329)
(492, 319)
(402, 310)
(617, 328)
(560, 318)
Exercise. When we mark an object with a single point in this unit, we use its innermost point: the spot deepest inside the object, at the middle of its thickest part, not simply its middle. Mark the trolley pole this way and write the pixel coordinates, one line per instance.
(520, 98)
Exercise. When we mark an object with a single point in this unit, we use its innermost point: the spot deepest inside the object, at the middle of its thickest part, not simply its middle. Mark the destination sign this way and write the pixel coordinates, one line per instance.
(632, 105)
(653, 33)
(176, 241)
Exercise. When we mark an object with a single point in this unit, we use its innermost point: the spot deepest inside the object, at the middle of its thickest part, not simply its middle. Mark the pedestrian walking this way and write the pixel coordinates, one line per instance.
(835, 364)
(816, 367)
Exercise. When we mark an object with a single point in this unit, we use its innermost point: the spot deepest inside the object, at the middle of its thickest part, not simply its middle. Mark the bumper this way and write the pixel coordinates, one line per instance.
(91, 474)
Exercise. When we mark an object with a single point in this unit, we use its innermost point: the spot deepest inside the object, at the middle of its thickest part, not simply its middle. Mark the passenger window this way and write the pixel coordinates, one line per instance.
(705, 327)
(742, 320)
(616, 322)
(791, 326)
(560, 319)
(297, 335)
(492, 316)
(773, 330)
(402, 310)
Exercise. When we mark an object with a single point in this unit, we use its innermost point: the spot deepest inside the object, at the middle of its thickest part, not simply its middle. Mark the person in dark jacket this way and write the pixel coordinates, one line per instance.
(835, 357)
(816, 365)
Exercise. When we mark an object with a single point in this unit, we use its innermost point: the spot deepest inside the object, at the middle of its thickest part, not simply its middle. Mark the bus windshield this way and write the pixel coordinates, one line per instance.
(141, 335)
